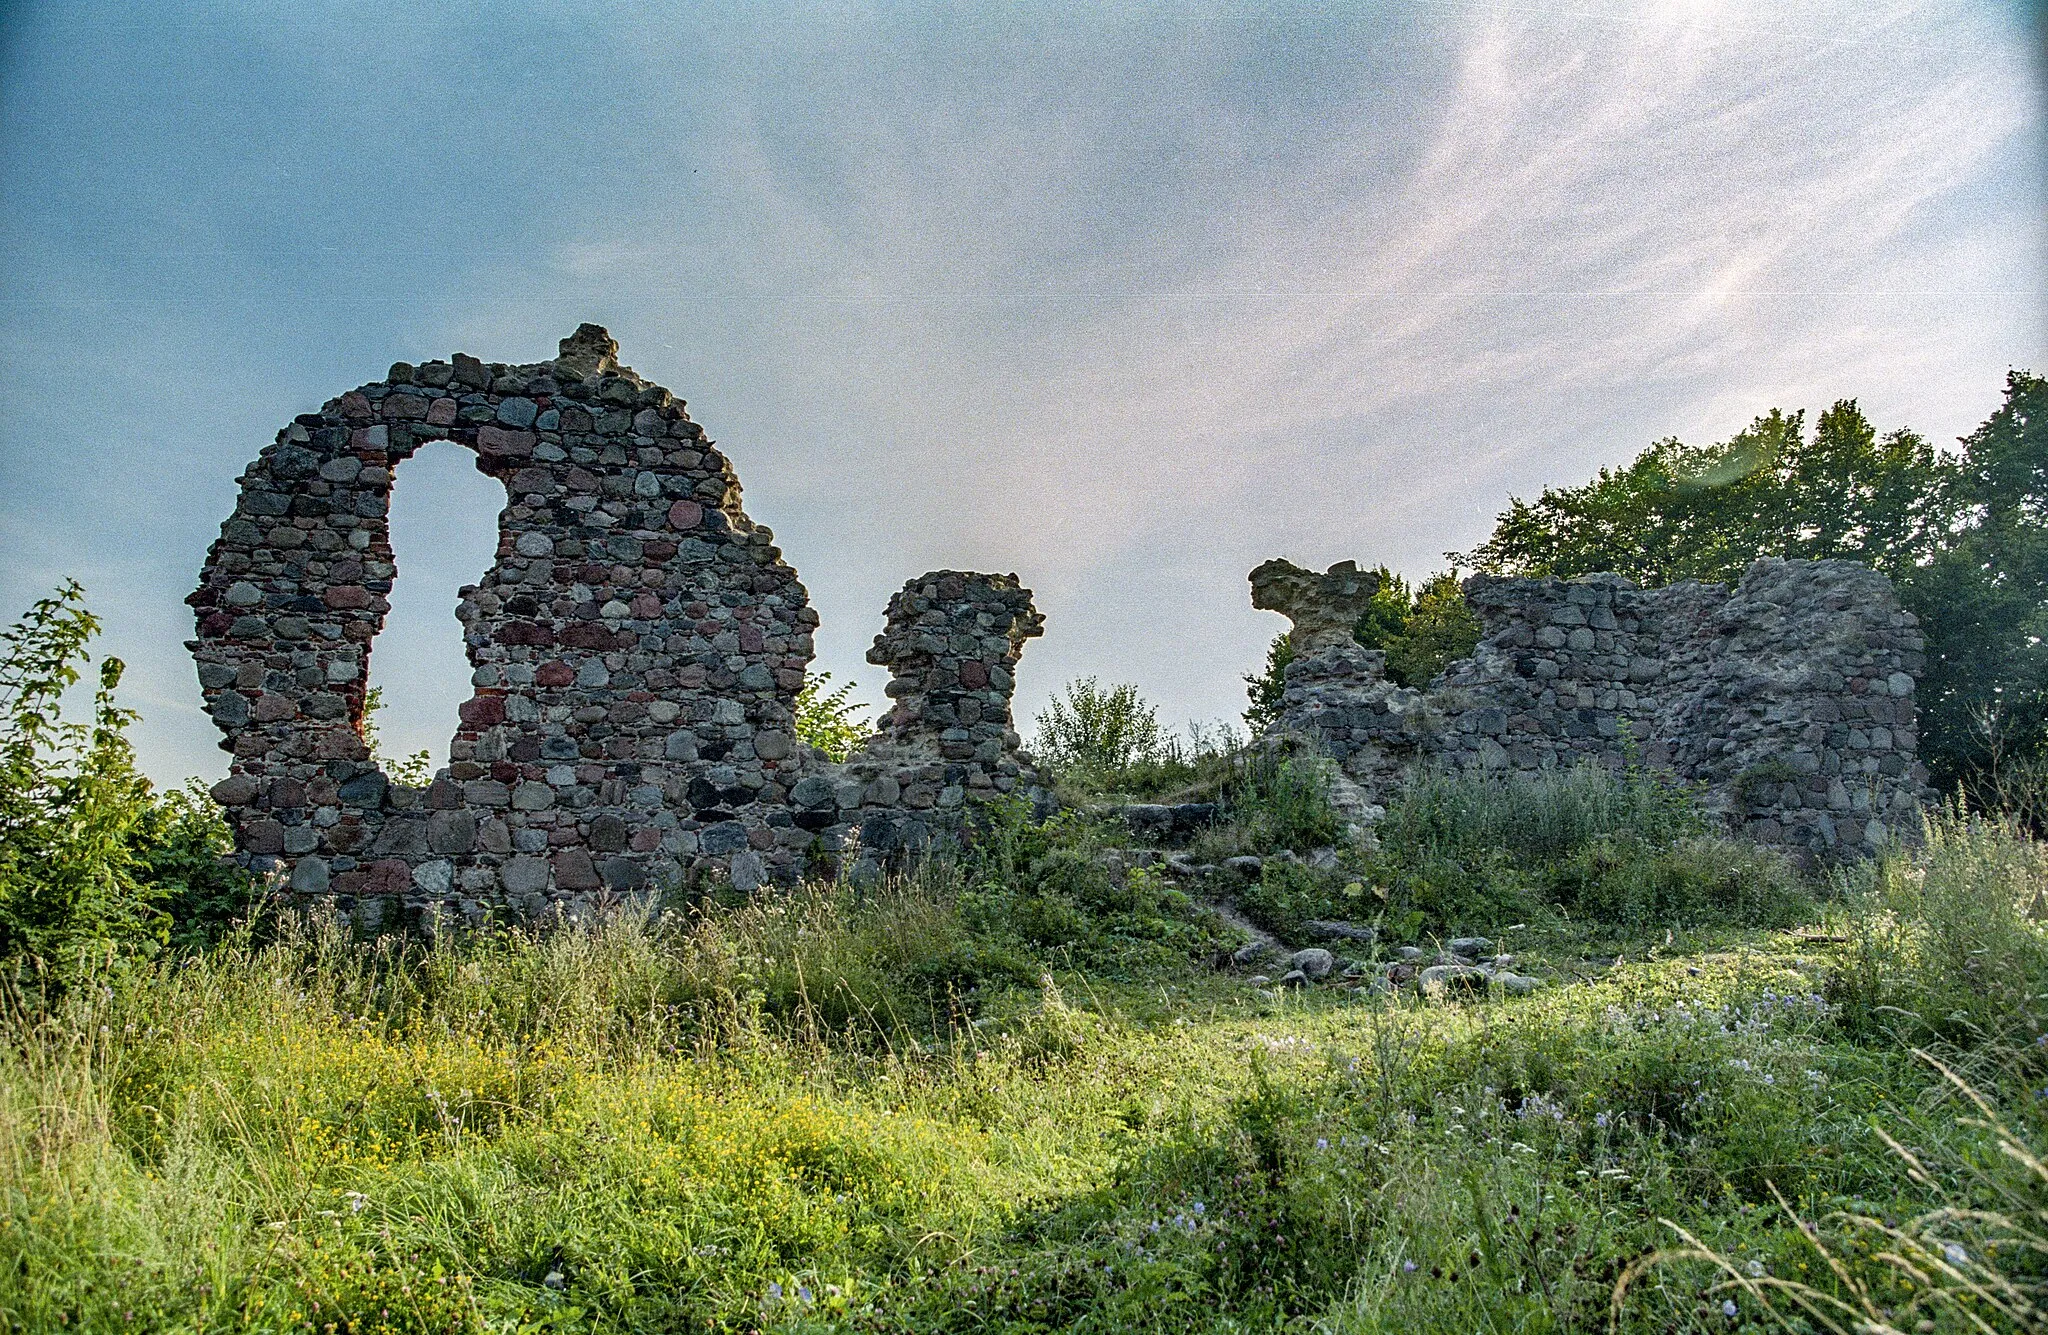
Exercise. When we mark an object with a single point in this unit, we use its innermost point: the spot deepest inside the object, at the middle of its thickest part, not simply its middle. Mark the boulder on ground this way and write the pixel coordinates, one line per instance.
(1454, 978)
(1315, 962)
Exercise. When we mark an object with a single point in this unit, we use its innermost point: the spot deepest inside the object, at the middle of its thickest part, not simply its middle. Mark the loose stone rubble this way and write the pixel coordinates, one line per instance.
(1789, 697)
(636, 650)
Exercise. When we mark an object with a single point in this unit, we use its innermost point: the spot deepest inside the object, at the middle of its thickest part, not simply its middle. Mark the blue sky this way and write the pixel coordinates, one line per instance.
(1122, 298)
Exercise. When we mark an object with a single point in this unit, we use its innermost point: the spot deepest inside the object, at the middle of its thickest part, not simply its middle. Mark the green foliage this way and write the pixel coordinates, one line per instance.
(1037, 887)
(184, 847)
(1275, 802)
(73, 893)
(1422, 631)
(1091, 731)
(830, 722)
(1544, 816)
(1705, 512)
(1265, 688)
(1094, 743)
(1288, 895)
(822, 1112)
(413, 771)
(1969, 1262)
(1983, 603)
(1630, 850)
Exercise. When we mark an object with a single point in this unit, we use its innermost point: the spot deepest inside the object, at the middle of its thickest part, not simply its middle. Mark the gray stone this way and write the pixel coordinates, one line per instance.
(1453, 977)
(451, 832)
(725, 837)
(816, 791)
(525, 875)
(1314, 962)
(235, 790)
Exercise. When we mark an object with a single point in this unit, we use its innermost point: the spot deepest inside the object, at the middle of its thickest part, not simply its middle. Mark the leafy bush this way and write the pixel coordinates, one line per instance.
(72, 890)
(1092, 736)
(1095, 743)
(183, 847)
(1095, 730)
(1288, 895)
(830, 722)
(1422, 632)
(1275, 802)
(1050, 886)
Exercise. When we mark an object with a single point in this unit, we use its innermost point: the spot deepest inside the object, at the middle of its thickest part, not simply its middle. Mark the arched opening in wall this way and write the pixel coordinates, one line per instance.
(444, 535)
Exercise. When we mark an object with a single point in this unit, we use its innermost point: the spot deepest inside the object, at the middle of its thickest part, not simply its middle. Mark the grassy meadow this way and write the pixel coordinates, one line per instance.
(1013, 1092)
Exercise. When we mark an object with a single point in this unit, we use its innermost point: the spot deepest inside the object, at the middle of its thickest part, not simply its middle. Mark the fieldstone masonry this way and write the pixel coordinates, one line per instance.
(1788, 697)
(636, 653)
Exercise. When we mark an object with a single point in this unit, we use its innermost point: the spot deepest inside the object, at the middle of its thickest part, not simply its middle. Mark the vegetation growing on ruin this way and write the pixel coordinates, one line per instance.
(830, 720)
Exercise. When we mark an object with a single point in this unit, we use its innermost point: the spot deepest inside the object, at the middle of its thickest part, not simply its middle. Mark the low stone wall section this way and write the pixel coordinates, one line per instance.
(1789, 698)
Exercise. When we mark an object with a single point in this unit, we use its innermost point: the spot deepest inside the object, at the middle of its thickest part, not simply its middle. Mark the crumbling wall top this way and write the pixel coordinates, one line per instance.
(1324, 608)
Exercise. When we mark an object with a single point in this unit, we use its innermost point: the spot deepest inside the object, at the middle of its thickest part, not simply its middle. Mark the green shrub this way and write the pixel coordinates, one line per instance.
(1274, 803)
(1288, 895)
(832, 721)
(1052, 886)
(183, 846)
(1095, 734)
(1095, 743)
(73, 893)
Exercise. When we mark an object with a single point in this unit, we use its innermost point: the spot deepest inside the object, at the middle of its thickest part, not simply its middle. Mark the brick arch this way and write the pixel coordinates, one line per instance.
(637, 646)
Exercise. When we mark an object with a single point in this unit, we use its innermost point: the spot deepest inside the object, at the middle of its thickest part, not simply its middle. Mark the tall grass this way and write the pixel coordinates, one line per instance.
(1551, 814)
(404, 1137)
(1950, 943)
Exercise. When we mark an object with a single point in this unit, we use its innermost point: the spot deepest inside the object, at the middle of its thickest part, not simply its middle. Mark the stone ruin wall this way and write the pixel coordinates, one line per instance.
(636, 651)
(639, 642)
(1789, 697)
